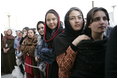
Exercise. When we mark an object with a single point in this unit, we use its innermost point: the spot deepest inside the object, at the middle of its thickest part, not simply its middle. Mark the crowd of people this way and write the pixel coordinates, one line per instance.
(80, 50)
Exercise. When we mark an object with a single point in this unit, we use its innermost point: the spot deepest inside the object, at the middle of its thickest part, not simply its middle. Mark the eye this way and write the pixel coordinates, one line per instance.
(105, 18)
(48, 20)
(41, 27)
(96, 19)
(71, 18)
(53, 18)
(79, 17)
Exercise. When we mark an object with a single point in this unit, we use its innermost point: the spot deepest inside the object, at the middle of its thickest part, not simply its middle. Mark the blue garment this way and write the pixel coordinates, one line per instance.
(44, 53)
(16, 42)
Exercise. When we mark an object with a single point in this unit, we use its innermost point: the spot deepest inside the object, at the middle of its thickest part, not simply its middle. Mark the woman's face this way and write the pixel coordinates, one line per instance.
(51, 21)
(100, 22)
(30, 33)
(76, 20)
(17, 32)
(9, 32)
(24, 31)
(41, 29)
(20, 35)
(5, 32)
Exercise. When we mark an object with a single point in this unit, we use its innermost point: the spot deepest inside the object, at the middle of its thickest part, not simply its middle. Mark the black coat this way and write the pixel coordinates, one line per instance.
(90, 59)
(111, 55)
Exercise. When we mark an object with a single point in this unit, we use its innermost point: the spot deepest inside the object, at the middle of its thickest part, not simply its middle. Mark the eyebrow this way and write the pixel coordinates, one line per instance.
(75, 16)
(99, 16)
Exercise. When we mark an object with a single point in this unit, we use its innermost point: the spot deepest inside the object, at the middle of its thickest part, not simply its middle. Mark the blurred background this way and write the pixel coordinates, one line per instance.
(16, 14)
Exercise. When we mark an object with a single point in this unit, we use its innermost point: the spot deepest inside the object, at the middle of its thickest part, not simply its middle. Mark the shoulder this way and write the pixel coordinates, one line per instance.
(60, 38)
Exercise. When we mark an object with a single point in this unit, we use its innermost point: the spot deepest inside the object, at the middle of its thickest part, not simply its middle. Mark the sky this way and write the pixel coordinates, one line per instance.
(28, 12)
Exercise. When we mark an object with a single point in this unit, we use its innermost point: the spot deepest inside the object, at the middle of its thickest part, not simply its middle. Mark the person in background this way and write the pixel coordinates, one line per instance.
(40, 29)
(90, 58)
(19, 58)
(5, 33)
(25, 31)
(17, 40)
(9, 52)
(108, 31)
(2, 62)
(74, 24)
(2, 52)
(24, 35)
(17, 33)
(111, 55)
(28, 47)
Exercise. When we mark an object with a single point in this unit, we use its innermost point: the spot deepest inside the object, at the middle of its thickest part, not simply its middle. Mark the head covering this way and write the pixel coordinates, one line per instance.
(8, 37)
(49, 34)
(40, 22)
(63, 40)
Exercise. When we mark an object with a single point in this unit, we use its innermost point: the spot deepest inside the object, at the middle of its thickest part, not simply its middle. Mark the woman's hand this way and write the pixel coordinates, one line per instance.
(5, 50)
(28, 54)
(80, 38)
(36, 59)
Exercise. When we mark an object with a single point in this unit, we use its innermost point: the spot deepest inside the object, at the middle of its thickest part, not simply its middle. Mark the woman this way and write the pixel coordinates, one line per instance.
(9, 52)
(40, 29)
(51, 30)
(74, 23)
(25, 31)
(90, 58)
(18, 54)
(28, 47)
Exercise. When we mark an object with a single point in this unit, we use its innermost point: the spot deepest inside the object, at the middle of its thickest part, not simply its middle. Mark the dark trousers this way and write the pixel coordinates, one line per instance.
(21, 69)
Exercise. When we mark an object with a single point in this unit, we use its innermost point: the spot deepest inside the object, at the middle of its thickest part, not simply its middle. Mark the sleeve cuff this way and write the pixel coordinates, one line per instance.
(75, 48)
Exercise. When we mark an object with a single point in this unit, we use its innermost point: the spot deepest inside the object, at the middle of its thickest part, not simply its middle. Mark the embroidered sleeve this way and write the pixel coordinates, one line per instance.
(65, 62)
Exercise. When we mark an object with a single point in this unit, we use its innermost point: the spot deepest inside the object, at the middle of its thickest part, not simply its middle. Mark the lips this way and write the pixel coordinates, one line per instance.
(77, 25)
(51, 25)
(102, 26)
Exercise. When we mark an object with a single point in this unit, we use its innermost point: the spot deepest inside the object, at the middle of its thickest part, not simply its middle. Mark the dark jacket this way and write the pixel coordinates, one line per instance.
(111, 55)
(90, 59)
(49, 36)
(8, 42)
(44, 53)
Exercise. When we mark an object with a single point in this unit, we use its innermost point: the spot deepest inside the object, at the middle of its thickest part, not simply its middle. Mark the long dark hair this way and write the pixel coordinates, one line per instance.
(89, 18)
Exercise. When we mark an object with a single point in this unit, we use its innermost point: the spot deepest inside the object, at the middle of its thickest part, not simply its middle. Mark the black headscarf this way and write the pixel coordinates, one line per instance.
(63, 40)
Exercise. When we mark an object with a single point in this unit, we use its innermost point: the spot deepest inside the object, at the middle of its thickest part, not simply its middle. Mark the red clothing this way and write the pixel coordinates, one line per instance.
(28, 69)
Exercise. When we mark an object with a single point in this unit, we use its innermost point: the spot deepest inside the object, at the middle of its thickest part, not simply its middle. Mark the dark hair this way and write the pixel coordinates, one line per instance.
(17, 31)
(40, 22)
(66, 20)
(32, 30)
(89, 18)
(26, 28)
